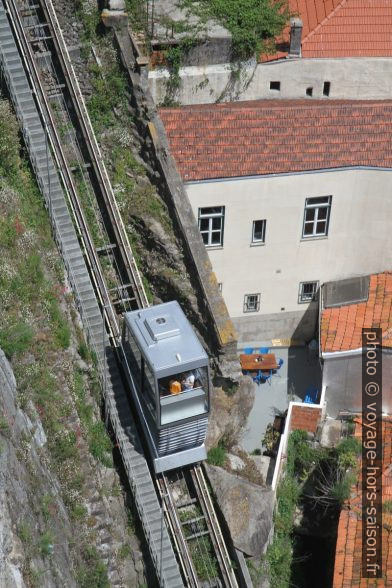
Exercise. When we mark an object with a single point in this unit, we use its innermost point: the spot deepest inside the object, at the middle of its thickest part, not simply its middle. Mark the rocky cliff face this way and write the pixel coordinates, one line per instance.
(41, 545)
(247, 508)
(229, 413)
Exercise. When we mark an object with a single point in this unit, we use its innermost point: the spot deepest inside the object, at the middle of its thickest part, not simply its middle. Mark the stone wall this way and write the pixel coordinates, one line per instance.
(164, 174)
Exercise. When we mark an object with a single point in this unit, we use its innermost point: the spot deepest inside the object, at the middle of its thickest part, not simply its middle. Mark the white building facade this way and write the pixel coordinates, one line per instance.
(273, 239)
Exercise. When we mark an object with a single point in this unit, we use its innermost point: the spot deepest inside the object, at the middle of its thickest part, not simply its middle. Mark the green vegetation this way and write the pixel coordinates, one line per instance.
(133, 197)
(47, 506)
(60, 325)
(4, 427)
(203, 558)
(35, 334)
(137, 12)
(90, 206)
(24, 534)
(253, 24)
(89, 14)
(109, 94)
(348, 451)
(98, 440)
(270, 437)
(332, 472)
(9, 141)
(387, 507)
(93, 572)
(124, 551)
(46, 543)
(217, 455)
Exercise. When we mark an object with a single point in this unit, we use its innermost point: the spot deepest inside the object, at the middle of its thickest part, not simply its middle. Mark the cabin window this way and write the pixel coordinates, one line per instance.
(183, 395)
(141, 374)
(148, 386)
(134, 358)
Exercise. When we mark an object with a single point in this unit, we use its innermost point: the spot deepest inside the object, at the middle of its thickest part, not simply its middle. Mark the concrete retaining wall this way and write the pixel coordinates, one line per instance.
(350, 78)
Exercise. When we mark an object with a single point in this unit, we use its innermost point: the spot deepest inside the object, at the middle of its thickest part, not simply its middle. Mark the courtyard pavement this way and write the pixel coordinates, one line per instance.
(300, 370)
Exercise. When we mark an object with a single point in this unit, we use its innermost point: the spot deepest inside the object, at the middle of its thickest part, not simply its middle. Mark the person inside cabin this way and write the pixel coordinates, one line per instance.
(188, 380)
(174, 386)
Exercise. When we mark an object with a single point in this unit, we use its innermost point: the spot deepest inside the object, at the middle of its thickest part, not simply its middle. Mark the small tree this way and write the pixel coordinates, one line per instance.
(253, 24)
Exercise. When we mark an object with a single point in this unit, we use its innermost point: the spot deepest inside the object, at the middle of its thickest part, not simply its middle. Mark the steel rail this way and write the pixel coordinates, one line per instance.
(219, 544)
(227, 574)
(62, 165)
(95, 154)
(177, 533)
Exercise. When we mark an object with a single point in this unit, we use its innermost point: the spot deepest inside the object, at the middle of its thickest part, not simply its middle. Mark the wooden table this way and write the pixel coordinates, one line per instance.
(258, 361)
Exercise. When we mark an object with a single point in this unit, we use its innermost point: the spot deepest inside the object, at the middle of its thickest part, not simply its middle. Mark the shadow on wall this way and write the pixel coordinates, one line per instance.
(304, 374)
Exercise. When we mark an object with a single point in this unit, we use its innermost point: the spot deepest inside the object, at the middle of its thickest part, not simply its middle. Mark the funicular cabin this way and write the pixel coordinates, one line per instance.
(169, 376)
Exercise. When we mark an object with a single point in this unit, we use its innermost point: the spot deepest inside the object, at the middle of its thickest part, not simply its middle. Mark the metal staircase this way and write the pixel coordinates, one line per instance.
(116, 402)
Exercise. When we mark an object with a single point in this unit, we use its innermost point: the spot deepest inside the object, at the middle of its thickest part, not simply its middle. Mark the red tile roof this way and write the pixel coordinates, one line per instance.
(348, 556)
(343, 28)
(278, 136)
(341, 327)
(305, 418)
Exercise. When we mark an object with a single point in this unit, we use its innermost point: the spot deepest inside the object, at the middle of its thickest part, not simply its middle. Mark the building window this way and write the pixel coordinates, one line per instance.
(211, 222)
(258, 231)
(251, 302)
(326, 88)
(307, 291)
(309, 91)
(275, 86)
(316, 217)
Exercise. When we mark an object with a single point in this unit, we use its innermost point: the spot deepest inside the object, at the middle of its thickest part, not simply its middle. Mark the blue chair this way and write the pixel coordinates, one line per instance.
(311, 394)
(248, 350)
(256, 378)
(280, 363)
(265, 377)
(263, 350)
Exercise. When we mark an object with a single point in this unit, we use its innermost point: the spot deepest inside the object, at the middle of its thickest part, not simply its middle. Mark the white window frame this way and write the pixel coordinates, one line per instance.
(262, 240)
(210, 231)
(254, 307)
(314, 203)
(305, 298)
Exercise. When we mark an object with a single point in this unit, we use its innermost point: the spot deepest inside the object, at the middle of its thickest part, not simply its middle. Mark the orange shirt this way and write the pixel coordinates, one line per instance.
(174, 387)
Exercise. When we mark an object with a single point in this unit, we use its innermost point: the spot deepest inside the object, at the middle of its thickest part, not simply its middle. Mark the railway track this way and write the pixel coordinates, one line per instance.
(194, 524)
(71, 143)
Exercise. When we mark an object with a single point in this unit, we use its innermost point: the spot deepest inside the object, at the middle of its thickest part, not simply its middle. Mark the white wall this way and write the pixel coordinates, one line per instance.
(359, 239)
(351, 78)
